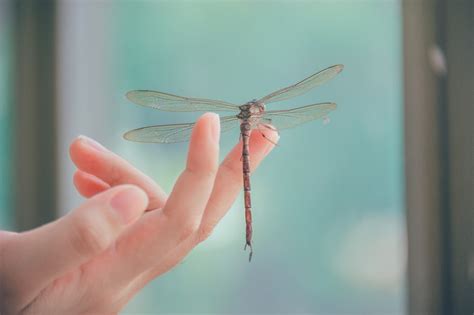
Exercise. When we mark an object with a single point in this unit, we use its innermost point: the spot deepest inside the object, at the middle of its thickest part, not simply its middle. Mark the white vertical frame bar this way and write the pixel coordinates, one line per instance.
(83, 83)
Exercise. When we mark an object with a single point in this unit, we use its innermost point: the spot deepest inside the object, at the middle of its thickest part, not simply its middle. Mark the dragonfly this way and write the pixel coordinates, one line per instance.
(249, 116)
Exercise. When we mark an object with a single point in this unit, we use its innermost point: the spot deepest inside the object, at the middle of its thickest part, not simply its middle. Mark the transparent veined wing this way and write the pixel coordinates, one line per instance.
(303, 86)
(175, 103)
(174, 132)
(284, 119)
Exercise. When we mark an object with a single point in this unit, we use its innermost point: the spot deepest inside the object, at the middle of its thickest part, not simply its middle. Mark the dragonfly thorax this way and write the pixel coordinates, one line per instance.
(252, 108)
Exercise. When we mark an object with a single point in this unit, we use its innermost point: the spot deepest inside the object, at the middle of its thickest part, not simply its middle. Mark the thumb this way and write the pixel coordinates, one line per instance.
(95, 225)
(81, 235)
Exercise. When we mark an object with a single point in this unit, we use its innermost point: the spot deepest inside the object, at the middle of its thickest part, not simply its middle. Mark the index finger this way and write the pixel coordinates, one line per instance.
(92, 158)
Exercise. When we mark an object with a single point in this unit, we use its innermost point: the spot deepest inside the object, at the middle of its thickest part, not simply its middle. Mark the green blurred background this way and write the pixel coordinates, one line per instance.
(329, 217)
(6, 211)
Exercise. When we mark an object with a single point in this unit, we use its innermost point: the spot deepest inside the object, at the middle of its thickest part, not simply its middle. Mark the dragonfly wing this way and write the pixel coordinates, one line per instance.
(173, 133)
(175, 103)
(284, 119)
(303, 86)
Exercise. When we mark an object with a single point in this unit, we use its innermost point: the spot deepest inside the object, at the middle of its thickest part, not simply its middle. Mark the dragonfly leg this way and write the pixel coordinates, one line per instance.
(251, 249)
(263, 135)
(268, 126)
(242, 155)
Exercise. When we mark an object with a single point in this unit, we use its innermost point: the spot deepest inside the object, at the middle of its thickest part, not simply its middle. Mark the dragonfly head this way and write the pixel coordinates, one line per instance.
(259, 105)
(256, 107)
(253, 107)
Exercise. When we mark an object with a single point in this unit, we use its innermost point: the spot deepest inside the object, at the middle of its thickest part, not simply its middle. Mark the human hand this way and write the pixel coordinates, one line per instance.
(93, 260)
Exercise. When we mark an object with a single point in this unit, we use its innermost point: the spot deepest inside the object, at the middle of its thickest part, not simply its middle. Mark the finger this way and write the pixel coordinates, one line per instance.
(157, 232)
(227, 186)
(88, 185)
(229, 179)
(92, 158)
(194, 186)
(43, 254)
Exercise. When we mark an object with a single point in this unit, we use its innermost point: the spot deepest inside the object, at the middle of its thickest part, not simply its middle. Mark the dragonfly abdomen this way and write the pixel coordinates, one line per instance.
(245, 128)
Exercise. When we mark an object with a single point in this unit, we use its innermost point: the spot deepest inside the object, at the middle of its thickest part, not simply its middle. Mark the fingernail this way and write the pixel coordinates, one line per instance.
(215, 127)
(124, 203)
(94, 144)
(270, 145)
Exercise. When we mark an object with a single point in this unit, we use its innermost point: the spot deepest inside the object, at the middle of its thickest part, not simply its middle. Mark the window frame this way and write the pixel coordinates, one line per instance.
(438, 164)
(34, 115)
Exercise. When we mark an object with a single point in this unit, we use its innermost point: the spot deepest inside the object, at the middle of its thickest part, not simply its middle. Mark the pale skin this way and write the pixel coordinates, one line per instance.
(128, 231)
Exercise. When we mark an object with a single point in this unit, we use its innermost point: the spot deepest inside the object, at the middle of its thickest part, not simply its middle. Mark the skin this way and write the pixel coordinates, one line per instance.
(127, 232)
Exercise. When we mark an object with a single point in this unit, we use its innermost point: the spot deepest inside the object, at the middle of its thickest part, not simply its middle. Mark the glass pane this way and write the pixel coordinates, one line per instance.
(6, 211)
(328, 202)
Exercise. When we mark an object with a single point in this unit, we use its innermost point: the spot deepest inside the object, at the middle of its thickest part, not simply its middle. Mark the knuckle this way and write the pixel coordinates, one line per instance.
(234, 169)
(204, 172)
(204, 232)
(188, 229)
(87, 237)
